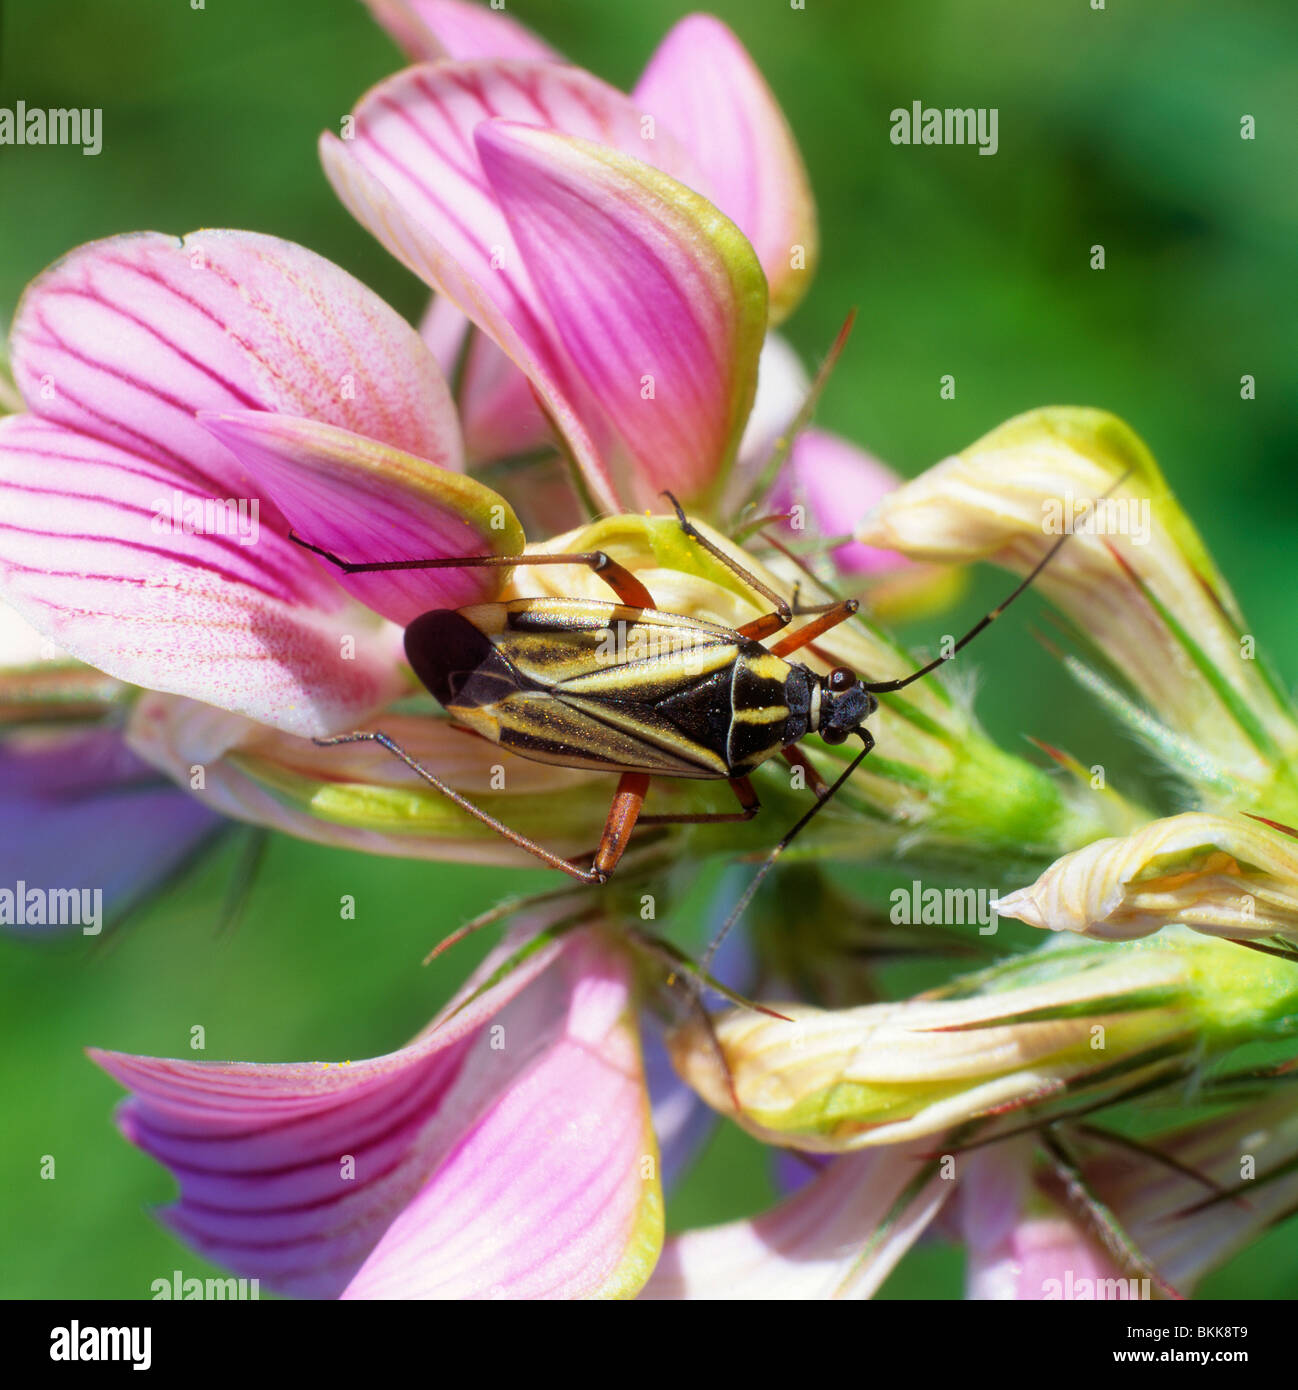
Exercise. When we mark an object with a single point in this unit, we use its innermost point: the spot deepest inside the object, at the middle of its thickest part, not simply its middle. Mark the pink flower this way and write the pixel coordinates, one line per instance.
(830, 482)
(173, 386)
(1022, 1246)
(506, 1152)
(702, 113)
(532, 196)
(838, 1237)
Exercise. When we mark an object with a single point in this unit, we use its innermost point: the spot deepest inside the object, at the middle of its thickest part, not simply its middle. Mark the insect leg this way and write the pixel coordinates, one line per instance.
(743, 790)
(592, 875)
(795, 757)
(618, 578)
(764, 626)
(805, 610)
(867, 743)
(835, 614)
(622, 816)
(768, 622)
(625, 815)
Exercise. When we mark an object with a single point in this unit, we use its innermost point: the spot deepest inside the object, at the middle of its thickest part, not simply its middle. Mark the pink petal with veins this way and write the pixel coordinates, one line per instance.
(126, 339)
(457, 29)
(365, 502)
(659, 301)
(362, 1176)
(412, 176)
(93, 553)
(702, 84)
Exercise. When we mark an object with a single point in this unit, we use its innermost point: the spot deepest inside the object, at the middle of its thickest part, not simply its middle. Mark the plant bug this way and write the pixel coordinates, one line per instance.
(624, 687)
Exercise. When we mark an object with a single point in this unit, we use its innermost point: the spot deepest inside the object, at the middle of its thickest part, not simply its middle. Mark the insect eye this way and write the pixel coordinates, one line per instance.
(840, 678)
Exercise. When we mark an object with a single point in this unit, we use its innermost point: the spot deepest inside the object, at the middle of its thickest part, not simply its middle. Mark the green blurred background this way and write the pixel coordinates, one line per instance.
(1119, 127)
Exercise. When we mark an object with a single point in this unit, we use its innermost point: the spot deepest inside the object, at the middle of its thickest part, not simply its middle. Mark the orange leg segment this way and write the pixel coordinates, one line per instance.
(838, 613)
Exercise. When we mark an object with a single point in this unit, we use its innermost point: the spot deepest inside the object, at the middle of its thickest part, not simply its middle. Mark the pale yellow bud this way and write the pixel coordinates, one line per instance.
(1227, 875)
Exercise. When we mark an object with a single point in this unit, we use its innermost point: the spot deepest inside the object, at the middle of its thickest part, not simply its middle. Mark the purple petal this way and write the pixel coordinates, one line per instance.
(304, 1174)
(86, 789)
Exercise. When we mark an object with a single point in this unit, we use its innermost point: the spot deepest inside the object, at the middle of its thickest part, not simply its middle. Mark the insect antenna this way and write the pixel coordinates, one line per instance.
(693, 980)
(887, 687)
(705, 961)
(867, 739)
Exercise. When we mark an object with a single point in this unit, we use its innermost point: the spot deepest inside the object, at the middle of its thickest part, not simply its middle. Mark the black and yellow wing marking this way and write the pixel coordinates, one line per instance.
(598, 685)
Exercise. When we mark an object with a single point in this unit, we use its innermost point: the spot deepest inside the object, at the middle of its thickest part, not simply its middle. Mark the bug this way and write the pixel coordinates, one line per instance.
(624, 687)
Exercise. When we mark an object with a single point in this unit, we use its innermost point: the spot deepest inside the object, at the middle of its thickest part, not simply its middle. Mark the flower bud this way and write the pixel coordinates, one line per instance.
(1061, 1019)
(1134, 578)
(1224, 875)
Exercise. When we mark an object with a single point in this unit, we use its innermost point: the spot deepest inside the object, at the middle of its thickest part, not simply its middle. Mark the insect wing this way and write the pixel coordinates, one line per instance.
(599, 685)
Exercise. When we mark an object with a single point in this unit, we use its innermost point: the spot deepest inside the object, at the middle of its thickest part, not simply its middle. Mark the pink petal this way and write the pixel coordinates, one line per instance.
(445, 331)
(839, 1237)
(553, 1191)
(835, 484)
(261, 1151)
(704, 86)
(1019, 1246)
(412, 176)
(498, 408)
(93, 555)
(366, 502)
(782, 386)
(126, 339)
(659, 301)
(457, 29)
(498, 411)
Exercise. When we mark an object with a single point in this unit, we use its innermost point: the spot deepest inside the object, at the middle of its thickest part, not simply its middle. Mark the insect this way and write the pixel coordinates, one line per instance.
(627, 688)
